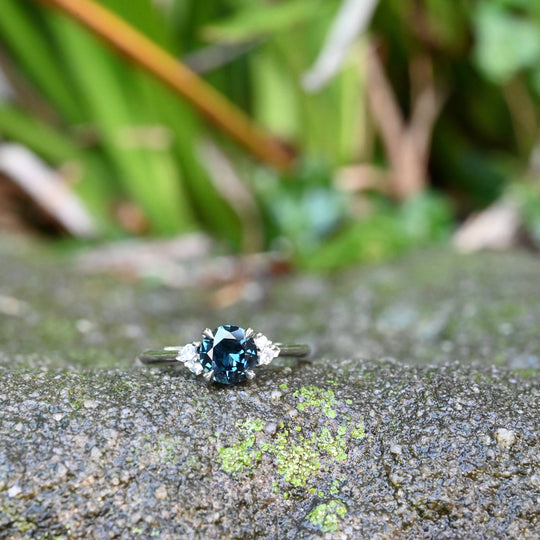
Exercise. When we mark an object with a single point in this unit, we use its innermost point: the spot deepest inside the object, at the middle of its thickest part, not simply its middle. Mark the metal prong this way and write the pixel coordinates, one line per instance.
(208, 333)
(249, 332)
(208, 376)
(250, 374)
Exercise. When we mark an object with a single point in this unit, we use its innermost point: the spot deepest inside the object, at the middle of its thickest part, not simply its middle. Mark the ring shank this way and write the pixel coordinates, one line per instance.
(162, 357)
(294, 351)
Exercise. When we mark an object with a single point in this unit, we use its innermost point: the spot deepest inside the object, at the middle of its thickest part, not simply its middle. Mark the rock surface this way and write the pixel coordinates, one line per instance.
(418, 418)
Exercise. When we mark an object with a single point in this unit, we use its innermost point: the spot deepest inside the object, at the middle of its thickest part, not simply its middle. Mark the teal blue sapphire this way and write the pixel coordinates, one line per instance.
(229, 354)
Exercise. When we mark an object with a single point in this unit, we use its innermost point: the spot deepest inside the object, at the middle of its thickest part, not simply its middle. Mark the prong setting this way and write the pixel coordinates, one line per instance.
(209, 375)
(249, 333)
(250, 374)
(208, 333)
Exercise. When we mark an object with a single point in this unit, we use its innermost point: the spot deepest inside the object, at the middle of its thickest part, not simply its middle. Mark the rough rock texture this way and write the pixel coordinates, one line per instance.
(418, 419)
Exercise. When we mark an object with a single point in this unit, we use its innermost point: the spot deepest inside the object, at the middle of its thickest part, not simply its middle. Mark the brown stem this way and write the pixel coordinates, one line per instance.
(208, 101)
(407, 143)
(387, 115)
(522, 113)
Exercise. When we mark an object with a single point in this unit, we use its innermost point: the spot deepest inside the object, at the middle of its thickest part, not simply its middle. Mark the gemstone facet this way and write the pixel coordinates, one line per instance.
(228, 354)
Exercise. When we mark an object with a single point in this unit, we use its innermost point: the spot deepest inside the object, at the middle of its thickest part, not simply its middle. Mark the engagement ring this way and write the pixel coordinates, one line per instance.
(227, 355)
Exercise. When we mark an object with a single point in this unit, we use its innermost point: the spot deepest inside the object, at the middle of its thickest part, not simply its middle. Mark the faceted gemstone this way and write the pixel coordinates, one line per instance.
(229, 354)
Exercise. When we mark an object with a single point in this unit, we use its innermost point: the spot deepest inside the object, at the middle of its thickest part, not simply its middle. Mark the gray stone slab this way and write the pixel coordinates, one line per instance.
(418, 418)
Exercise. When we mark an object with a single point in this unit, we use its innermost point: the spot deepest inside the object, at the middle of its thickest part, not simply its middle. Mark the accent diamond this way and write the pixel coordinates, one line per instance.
(189, 356)
(267, 350)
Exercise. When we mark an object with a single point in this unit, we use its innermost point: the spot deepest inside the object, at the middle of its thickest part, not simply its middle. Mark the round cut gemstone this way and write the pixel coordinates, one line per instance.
(229, 354)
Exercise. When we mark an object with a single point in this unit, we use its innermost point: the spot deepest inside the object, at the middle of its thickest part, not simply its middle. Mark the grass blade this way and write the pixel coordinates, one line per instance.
(154, 59)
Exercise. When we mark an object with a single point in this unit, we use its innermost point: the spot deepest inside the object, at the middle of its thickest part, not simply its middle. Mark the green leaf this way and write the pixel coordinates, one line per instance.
(505, 43)
(535, 80)
(527, 196)
(387, 232)
(104, 82)
(18, 125)
(426, 216)
(22, 32)
(143, 15)
(275, 97)
(197, 191)
(262, 20)
(57, 149)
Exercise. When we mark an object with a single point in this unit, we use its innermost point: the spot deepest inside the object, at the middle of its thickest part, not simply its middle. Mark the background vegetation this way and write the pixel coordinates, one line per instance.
(432, 114)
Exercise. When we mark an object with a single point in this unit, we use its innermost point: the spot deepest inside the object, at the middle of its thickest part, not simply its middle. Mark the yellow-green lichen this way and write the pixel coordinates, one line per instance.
(251, 425)
(326, 515)
(243, 454)
(298, 457)
(296, 461)
(313, 396)
(168, 449)
(23, 526)
(359, 432)
(334, 446)
(77, 403)
(240, 456)
(121, 390)
(334, 489)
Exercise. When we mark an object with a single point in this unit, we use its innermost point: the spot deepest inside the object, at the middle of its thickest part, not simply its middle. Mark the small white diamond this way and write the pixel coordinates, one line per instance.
(262, 342)
(189, 356)
(194, 367)
(188, 353)
(267, 351)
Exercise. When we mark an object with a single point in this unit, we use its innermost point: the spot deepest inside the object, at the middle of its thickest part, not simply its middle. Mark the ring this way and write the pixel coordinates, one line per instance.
(227, 355)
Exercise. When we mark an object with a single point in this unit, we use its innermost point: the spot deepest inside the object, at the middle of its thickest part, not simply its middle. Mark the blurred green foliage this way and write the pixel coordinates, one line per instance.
(507, 39)
(131, 139)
